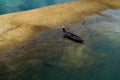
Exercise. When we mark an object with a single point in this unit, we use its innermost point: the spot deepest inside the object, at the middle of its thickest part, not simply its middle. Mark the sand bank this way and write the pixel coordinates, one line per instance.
(18, 28)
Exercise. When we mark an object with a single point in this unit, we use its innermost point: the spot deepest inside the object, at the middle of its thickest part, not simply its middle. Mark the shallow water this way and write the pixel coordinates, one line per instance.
(52, 57)
(8, 6)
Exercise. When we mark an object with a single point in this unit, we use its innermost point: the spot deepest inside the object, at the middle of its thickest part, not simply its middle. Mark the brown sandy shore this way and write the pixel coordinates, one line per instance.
(18, 28)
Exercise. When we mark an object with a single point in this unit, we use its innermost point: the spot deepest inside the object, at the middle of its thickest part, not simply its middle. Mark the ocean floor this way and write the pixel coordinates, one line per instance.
(53, 57)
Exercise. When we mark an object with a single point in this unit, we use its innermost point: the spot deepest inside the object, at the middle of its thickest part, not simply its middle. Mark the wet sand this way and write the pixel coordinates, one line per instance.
(33, 54)
(13, 27)
(50, 54)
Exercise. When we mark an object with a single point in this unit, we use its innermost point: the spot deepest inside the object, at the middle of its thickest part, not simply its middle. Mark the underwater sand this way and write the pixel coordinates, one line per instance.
(56, 58)
(52, 57)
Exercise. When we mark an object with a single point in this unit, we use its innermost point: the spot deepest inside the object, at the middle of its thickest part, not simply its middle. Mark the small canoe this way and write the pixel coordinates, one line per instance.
(72, 36)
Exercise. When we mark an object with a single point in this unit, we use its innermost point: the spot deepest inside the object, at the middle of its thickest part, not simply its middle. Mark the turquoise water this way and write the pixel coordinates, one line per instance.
(51, 57)
(8, 6)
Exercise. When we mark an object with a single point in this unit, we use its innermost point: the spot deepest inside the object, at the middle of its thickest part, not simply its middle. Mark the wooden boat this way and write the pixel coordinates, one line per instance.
(72, 36)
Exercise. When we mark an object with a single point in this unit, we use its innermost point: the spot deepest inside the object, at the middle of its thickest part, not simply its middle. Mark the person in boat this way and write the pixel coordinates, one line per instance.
(72, 36)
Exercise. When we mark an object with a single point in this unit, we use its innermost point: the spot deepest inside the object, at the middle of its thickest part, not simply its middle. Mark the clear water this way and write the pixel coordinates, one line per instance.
(51, 57)
(8, 6)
